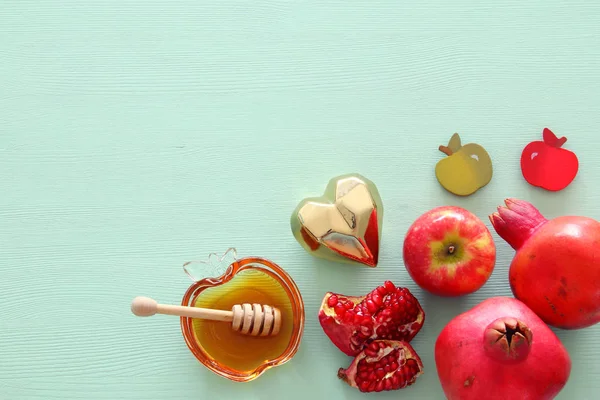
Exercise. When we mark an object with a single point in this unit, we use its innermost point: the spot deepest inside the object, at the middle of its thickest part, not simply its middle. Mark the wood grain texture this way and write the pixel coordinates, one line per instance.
(136, 135)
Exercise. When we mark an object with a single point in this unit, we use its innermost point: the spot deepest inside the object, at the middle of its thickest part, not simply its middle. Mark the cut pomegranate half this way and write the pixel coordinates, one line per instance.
(388, 312)
(383, 365)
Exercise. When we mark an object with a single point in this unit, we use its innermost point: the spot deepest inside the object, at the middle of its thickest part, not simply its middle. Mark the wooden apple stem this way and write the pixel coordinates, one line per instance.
(446, 150)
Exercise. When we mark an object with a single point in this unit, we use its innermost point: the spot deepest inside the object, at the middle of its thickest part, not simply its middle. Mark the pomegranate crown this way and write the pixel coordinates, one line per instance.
(507, 339)
(516, 222)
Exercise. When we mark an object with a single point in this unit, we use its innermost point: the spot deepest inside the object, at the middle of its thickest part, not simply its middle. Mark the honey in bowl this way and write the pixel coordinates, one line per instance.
(234, 349)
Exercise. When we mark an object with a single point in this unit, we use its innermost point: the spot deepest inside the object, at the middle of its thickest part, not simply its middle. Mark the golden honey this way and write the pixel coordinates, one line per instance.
(226, 346)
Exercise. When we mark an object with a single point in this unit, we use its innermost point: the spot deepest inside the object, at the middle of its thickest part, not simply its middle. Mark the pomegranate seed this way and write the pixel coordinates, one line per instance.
(379, 386)
(388, 384)
(394, 366)
(390, 286)
(364, 386)
(382, 290)
(370, 352)
(371, 306)
(395, 381)
(332, 300)
(380, 372)
(363, 375)
(372, 386)
(377, 299)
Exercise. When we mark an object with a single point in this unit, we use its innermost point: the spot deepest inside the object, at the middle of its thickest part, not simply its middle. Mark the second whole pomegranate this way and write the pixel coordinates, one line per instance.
(556, 268)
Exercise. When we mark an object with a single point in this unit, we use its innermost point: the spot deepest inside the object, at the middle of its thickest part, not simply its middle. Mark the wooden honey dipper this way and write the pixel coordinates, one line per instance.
(248, 319)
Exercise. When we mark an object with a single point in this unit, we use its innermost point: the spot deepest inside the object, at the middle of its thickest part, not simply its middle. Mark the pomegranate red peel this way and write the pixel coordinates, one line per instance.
(516, 222)
(382, 366)
(387, 312)
(500, 350)
(556, 268)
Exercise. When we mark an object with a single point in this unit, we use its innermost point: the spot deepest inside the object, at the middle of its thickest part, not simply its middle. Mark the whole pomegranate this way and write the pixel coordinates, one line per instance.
(388, 312)
(500, 350)
(383, 365)
(556, 270)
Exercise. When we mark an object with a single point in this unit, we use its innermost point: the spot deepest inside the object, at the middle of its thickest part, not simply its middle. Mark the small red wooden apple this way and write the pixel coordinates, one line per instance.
(545, 164)
(448, 251)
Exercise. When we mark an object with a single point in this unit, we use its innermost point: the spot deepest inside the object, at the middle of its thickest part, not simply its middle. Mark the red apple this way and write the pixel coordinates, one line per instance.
(545, 164)
(448, 251)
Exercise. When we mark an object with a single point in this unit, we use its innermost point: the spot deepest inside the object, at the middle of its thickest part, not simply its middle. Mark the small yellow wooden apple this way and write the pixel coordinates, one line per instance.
(467, 168)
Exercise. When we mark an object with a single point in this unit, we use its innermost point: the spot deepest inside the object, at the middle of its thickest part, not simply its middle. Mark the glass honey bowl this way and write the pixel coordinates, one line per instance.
(233, 355)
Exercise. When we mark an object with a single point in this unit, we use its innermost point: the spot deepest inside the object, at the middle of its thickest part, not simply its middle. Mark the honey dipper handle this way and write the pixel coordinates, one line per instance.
(145, 307)
(195, 312)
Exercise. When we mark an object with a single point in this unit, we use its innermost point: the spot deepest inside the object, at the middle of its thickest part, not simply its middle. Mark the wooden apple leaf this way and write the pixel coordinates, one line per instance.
(454, 143)
(551, 139)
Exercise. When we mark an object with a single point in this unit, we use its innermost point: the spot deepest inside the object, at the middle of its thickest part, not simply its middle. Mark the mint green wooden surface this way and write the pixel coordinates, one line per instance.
(137, 135)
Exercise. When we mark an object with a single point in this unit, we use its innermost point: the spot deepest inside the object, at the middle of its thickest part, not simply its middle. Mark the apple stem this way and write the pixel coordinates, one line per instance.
(446, 150)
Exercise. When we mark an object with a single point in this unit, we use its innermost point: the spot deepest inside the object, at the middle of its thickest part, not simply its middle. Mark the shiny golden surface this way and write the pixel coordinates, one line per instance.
(344, 224)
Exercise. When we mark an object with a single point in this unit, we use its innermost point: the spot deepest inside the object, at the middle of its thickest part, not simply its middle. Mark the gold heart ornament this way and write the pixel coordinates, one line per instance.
(344, 224)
